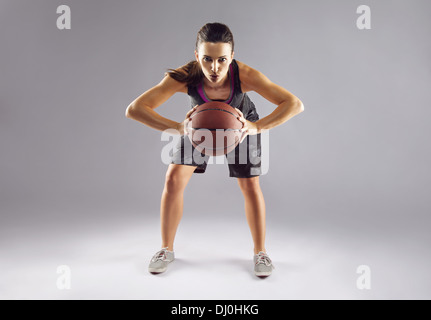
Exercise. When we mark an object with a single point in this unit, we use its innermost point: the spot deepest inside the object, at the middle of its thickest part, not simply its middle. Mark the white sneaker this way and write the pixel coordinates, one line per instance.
(262, 265)
(159, 262)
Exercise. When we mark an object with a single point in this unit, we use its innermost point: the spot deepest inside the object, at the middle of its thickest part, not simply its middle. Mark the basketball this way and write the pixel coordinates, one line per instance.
(214, 129)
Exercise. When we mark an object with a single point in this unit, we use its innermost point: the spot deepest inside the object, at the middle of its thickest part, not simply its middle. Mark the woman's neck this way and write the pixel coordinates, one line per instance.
(222, 85)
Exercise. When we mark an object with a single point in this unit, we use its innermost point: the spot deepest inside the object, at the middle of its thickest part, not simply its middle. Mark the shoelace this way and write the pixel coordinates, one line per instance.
(262, 258)
(160, 255)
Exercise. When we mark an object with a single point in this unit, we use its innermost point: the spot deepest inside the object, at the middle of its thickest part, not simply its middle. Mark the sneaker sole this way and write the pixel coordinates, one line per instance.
(158, 270)
(263, 274)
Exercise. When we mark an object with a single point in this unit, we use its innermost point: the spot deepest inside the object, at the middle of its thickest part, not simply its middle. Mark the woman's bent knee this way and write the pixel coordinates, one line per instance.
(249, 184)
(177, 177)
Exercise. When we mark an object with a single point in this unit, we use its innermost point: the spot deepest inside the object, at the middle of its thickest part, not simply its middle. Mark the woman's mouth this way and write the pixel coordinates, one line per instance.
(214, 77)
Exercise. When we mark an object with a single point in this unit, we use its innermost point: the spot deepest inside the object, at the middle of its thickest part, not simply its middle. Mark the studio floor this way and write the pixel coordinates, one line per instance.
(109, 260)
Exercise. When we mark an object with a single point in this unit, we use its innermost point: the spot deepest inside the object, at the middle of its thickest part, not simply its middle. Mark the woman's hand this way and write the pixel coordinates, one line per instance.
(249, 128)
(184, 126)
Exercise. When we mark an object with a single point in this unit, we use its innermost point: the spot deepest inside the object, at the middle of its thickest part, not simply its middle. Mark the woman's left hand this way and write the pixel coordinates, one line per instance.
(249, 128)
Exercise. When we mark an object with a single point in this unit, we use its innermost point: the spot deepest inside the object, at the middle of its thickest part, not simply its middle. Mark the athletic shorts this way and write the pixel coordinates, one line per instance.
(243, 162)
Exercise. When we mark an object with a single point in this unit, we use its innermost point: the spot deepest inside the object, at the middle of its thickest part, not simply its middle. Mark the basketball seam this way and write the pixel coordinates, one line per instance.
(217, 109)
(215, 129)
(196, 112)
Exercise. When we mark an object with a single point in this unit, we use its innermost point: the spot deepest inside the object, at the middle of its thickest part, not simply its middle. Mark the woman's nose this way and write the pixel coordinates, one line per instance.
(215, 67)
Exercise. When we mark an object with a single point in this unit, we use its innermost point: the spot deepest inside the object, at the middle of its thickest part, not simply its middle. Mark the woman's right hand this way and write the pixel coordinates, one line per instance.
(183, 126)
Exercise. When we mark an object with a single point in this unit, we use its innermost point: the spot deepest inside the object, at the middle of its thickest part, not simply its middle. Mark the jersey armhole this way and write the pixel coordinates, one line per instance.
(237, 79)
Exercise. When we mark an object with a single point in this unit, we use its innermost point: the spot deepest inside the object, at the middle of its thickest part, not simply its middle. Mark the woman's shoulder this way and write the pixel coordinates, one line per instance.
(244, 72)
(242, 66)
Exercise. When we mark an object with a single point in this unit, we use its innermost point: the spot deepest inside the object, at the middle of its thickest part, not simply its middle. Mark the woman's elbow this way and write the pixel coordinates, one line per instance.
(129, 112)
(300, 106)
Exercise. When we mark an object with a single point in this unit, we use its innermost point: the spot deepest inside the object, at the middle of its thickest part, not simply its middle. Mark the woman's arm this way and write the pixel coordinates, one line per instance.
(142, 108)
(288, 104)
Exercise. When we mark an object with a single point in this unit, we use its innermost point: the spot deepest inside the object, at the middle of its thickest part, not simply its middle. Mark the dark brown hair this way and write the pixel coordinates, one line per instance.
(191, 73)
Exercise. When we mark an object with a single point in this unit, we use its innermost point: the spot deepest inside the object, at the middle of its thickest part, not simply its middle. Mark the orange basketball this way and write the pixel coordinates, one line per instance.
(214, 129)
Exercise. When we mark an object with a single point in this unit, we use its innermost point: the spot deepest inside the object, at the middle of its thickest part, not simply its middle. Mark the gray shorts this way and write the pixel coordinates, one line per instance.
(243, 162)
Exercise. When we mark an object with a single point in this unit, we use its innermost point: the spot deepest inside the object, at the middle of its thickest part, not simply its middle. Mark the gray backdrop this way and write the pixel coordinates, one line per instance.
(348, 181)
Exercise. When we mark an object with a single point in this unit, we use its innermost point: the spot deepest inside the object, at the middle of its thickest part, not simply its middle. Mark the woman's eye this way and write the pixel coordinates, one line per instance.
(220, 60)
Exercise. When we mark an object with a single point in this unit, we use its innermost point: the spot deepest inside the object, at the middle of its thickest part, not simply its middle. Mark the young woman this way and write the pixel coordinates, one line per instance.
(215, 75)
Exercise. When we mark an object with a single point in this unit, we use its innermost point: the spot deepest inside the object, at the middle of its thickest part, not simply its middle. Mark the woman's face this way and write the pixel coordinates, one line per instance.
(215, 59)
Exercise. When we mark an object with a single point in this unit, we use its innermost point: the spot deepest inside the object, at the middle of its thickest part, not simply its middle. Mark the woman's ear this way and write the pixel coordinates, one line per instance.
(196, 56)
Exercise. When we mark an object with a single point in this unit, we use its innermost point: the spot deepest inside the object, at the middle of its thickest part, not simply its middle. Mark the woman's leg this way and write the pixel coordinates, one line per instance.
(254, 210)
(171, 209)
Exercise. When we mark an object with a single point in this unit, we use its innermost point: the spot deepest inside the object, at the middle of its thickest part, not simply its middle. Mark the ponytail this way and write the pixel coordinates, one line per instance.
(191, 73)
